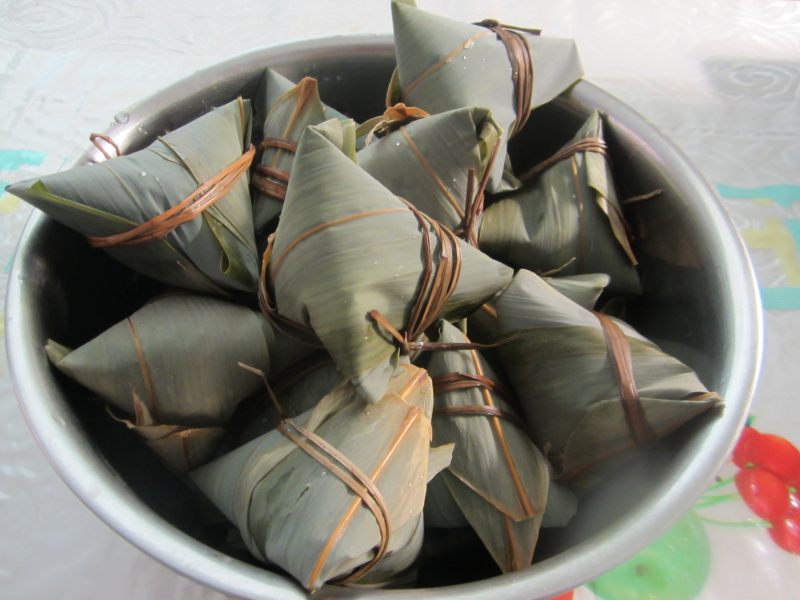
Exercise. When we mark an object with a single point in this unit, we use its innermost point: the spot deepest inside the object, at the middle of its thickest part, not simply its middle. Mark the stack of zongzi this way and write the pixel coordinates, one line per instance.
(318, 425)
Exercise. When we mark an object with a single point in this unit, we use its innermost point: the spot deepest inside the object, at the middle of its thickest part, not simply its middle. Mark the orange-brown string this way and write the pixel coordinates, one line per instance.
(345, 470)
(437, 283)
(449, 382)
(275, 142)
(619, 353)
(268, 307)
(473, 207)
(351, 476)
(590, 144)
(95, 139)
(519, 55)
(267, 179)
(207, 194)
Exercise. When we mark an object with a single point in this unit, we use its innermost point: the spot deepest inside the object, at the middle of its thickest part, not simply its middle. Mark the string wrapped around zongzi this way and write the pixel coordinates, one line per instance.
(288, 110)
(142, 363)
(590, 386)
(181, 448)
(336, 493)
(438, 163)
(498, 479)
(444, 64)
(567, 218)
(178, 211)
(356, 265)
(298, 390)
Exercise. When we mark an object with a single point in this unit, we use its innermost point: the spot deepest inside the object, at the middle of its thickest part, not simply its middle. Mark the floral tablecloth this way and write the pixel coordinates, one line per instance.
(720, 78)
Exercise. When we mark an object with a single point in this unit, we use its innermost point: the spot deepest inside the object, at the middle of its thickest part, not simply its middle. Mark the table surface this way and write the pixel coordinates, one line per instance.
(720, 78)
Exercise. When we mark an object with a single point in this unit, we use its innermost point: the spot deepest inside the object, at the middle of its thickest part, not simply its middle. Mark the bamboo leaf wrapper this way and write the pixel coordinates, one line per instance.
(214, 251)
(498, 478)
(296, 512)
(324, 280)
(562, 368)
(444, 64)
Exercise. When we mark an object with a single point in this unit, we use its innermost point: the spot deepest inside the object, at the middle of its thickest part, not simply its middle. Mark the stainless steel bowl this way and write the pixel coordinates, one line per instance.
(700, 303)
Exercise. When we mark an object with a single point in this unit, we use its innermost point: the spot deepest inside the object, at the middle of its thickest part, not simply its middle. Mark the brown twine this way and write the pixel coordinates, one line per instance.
(207, 194)
(451, 382)
(95, 139)
(619, 352)
(145, 370)
(642, 197)
(407, 89)
(268, 306)
(267, 179)
(479, 410)
(473, 206)
(438, 282)
(350, 475)
(590, 144)
(276, 142)
(519, 55)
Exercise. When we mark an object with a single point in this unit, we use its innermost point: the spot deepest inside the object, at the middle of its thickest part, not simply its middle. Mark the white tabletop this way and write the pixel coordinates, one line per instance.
(720, 78)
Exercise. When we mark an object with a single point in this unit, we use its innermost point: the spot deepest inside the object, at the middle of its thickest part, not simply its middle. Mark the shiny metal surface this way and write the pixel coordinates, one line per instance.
(700, 303)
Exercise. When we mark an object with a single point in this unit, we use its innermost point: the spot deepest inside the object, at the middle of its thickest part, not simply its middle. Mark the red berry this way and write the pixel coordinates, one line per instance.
(776, 455)
(741, 453)
(565, 596)
(786, 531)
(765, 494)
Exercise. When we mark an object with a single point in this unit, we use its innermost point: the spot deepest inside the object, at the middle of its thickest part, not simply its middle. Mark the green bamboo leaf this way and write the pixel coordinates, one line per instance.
(298, 391)
(182, 449)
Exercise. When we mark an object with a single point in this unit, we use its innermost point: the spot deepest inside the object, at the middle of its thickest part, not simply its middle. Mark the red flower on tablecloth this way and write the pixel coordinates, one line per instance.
(768, 481)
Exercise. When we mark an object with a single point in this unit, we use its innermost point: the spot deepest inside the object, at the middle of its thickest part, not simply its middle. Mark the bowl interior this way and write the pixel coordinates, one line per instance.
(699, 303)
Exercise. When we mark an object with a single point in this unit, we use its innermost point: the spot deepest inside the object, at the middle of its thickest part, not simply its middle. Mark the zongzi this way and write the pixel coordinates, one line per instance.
(336, 493)
(567, 219)
(145, 358)
(444, 65)
(498, 479)
(590, 386)
(355, 265)
(178, 211)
